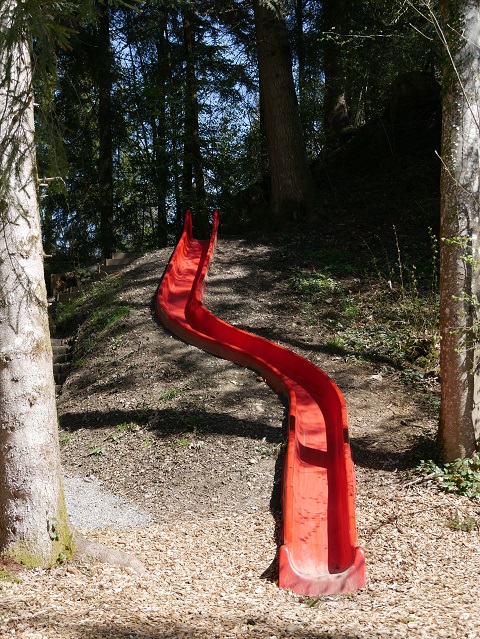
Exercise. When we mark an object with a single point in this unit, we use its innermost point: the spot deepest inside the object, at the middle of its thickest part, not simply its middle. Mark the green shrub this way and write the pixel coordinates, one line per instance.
(461, 477)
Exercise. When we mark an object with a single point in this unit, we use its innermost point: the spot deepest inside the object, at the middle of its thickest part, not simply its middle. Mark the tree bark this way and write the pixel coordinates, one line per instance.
(105, 132)
(34, 528)
(301, 58)
(34, 525)
(459, 230)
(194, 195)
(293, 190)
(336, 117)
(160, 133)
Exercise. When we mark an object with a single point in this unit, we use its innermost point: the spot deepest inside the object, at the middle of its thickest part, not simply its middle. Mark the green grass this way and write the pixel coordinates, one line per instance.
(168, 394)
(97, 313)
(465, 524)
(379, 321)
(374, 299)
(6, 575)
(95, 451)
(65, 437)
(267, 449)
(104, 318)
(127, 427)
(142, 413)
(334, 261)
(195, 419)
(315, 285)
(116, 341)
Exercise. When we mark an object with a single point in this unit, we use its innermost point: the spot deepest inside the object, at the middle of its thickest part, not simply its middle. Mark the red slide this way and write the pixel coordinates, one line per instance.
(319, 554)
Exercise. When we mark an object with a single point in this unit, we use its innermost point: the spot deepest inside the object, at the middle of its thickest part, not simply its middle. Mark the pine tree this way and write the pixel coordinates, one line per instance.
(293, 194)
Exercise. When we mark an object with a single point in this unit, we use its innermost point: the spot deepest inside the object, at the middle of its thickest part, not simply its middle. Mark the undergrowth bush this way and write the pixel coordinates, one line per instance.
(370, 301)
(461, 477)
(377, 320)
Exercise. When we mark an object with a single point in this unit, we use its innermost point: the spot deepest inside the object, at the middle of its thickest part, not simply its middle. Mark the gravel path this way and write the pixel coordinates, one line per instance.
(90, 505)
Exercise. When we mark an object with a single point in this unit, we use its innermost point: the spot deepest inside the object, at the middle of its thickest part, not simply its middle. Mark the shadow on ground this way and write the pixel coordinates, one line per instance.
(167, 422)
(253, 625)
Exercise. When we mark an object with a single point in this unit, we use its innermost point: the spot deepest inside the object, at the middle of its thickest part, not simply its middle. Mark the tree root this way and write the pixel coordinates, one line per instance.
(85, 549)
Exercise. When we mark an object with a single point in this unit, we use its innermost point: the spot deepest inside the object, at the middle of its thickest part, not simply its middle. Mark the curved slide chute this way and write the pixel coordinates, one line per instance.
(319, 554)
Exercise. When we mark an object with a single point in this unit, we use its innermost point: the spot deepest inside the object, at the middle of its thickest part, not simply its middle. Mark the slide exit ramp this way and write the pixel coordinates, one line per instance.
(319, 554)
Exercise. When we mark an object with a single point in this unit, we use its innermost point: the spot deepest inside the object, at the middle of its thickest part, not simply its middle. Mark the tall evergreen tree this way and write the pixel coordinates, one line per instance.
(336, 115)
(293, 193)
(34, 525)
(147, 87)
(193, 179)
(103, 66)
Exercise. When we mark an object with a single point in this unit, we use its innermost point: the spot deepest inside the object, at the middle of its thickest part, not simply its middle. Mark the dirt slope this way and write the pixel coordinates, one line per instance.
(178, 430)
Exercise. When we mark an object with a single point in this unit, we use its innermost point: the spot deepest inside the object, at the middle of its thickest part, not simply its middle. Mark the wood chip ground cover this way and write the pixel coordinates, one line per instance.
(203, 460)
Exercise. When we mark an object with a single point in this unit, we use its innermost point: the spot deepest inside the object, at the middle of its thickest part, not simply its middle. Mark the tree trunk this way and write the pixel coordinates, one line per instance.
(105, 116)
(459, 230)
(301, 58)
(48, 229)
(293, 190)
(175, 141)
(336, 117)
(160, 132)
(34, 527)
(192, 162)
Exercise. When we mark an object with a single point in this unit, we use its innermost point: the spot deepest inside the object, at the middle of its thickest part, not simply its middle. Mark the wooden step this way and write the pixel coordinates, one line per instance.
(60, 378)
(68, 295)
(110, 268)
(62, 362)
(117, 262)
(58, 342)
(124, 256)
(62, 368)
(61, 349)
(61, 358)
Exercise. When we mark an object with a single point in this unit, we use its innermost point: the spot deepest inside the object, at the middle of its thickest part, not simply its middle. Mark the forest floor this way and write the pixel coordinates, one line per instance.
(196, 442)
